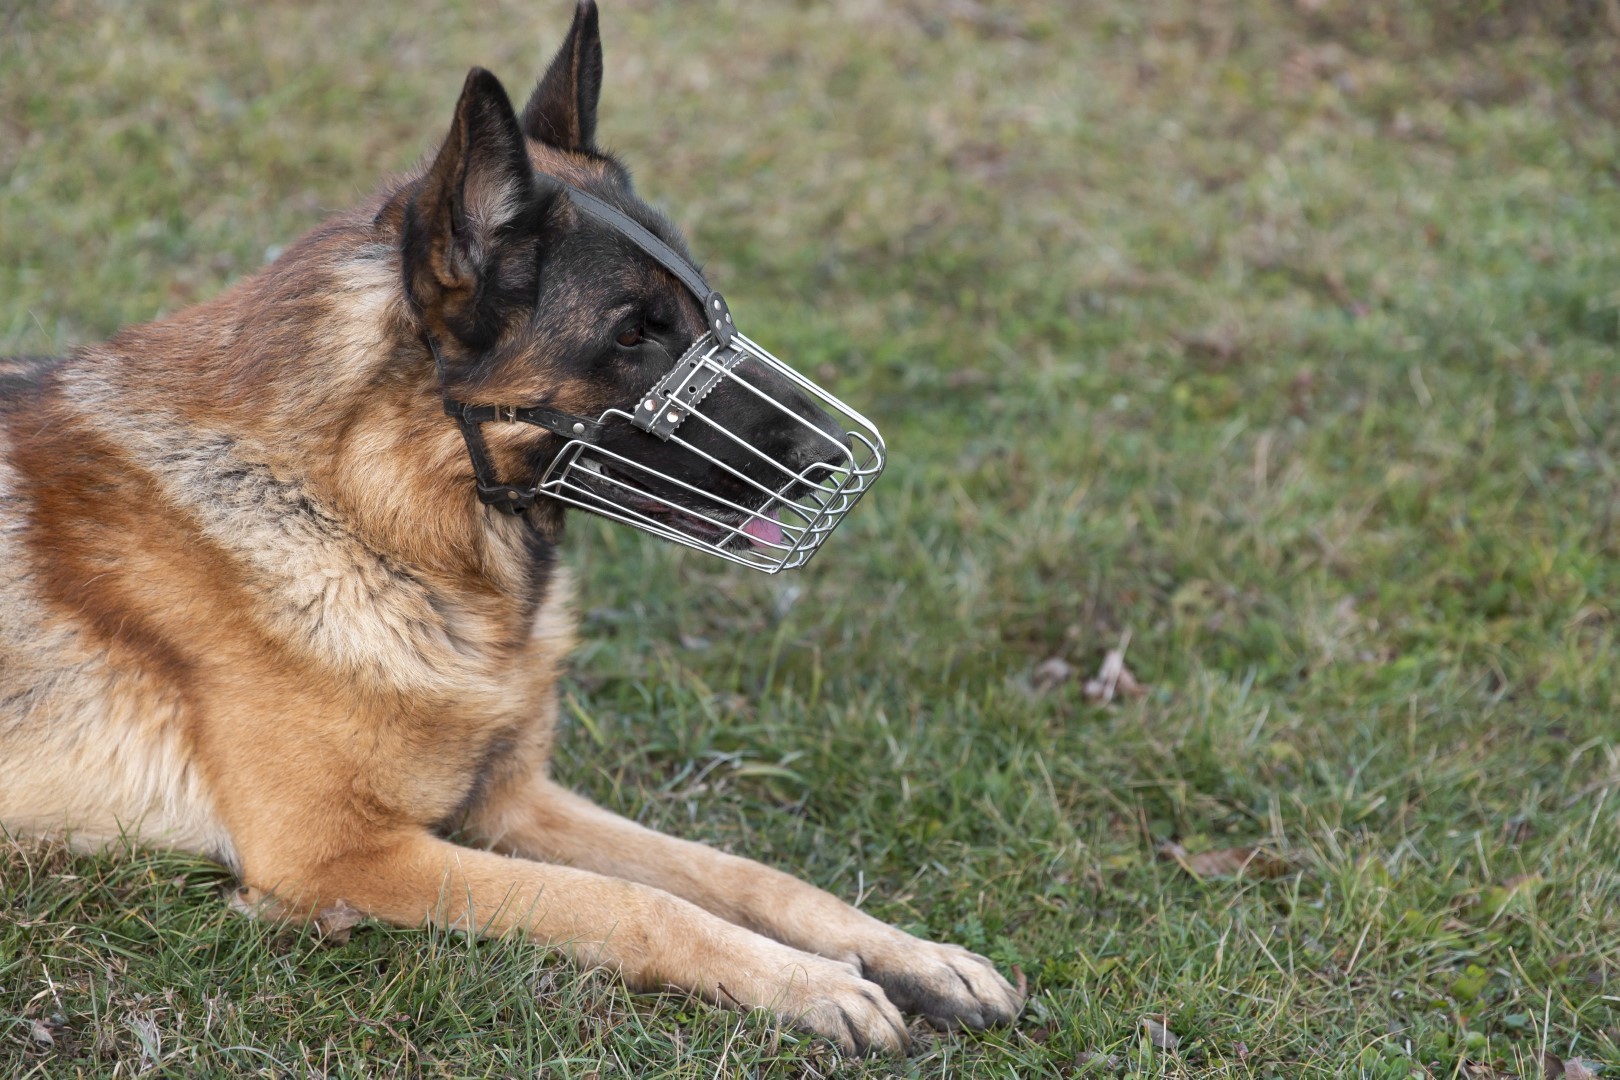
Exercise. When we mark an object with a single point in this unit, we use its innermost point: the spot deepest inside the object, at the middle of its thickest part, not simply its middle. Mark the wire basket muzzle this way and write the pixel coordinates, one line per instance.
(732, 452)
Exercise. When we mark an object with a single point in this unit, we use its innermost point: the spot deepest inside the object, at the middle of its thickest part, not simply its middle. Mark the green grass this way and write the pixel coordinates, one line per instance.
(1282, 341)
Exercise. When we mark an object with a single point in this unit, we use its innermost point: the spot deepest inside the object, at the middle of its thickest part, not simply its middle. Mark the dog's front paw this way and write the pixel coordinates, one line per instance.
(948, 985)
(852, 1013)
(828, 998)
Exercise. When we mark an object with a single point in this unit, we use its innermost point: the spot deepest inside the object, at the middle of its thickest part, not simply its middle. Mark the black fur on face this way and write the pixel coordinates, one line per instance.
(532, 302)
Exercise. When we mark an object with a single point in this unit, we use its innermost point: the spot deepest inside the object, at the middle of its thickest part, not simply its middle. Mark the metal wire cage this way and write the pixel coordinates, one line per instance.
(771, 516)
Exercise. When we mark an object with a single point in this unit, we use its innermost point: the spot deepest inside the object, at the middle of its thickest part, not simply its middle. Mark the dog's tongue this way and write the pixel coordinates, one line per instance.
(764, 529)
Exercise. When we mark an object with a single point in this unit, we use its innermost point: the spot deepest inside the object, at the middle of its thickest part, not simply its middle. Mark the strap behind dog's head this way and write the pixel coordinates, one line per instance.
(715, 311)
(511, 498)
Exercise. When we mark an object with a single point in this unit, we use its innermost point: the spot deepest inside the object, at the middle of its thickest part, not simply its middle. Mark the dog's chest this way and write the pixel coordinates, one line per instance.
(499, 727)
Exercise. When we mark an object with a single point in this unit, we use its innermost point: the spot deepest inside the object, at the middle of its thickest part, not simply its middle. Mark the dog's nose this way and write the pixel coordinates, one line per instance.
(826, 453)
(820, 447)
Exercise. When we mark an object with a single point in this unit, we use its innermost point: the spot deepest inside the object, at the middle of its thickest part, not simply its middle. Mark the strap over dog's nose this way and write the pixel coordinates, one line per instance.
(673, 397)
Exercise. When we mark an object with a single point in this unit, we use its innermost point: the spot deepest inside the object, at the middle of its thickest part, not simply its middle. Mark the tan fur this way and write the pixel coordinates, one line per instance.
(250, 607)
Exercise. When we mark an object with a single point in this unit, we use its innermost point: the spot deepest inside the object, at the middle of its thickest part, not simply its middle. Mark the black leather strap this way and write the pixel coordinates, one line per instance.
(553, 420)
(510, 498)
(715, 311)
(513, 500)
(663, 408)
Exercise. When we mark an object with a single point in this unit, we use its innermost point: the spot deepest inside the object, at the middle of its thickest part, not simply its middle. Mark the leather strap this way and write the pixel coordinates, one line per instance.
(668, 403)
(553, 420)
(715, 311)
(509, 498)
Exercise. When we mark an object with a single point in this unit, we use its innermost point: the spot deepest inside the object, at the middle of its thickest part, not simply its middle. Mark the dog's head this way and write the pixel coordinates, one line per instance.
(529, 300)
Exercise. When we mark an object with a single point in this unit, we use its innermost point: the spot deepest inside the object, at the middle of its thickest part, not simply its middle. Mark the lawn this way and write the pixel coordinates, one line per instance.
(1275, 343)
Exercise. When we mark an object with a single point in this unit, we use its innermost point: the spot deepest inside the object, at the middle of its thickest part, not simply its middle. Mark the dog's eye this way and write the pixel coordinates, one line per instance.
(631, 337)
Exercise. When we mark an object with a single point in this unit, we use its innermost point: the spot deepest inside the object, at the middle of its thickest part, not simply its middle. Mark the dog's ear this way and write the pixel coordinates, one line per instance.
(465, 226)
(562, 110)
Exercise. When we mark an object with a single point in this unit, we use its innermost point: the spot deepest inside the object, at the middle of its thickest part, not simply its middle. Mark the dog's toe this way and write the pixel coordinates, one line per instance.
(853, 1014)
(948, 985)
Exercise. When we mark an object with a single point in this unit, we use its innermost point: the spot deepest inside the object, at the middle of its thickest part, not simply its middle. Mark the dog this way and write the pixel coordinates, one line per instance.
(253, 605)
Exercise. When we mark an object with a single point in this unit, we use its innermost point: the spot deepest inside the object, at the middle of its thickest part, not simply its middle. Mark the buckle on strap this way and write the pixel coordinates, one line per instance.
(555, 421)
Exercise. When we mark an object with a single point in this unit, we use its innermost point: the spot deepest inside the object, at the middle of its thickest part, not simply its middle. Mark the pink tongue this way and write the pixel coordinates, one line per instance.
(764, 529)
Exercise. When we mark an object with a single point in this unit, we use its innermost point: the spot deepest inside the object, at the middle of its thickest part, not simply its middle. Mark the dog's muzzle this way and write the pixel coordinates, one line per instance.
(716, 486)
(756, 508)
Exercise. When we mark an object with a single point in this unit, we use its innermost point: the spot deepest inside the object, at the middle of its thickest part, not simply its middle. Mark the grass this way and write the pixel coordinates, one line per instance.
(1282, 341)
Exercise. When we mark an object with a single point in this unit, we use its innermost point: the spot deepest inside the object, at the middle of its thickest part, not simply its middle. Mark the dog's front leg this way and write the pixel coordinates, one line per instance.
(655, 940)
(947, 984)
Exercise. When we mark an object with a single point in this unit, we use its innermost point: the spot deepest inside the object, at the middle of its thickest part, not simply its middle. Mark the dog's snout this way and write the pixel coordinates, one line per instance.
(818, 474)
(822, 452)
(820, 441)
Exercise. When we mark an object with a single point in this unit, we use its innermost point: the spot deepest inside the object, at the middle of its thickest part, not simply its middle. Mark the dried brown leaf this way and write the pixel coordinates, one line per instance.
(40, 1032)
(1104, 1062)
(1576, 1069)
(1251, 862)
(334, 924)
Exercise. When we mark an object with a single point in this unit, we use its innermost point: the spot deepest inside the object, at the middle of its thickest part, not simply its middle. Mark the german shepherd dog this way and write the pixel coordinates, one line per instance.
(251, 607)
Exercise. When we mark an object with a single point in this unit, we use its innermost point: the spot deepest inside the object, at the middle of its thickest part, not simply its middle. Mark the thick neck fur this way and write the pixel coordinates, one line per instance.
(315, 372)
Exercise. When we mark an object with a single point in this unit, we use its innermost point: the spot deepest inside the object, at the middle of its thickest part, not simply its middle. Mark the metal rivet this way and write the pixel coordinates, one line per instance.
(650, 405)
(717, 305)
(728, 316)
(673, 416)
(579, 429)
